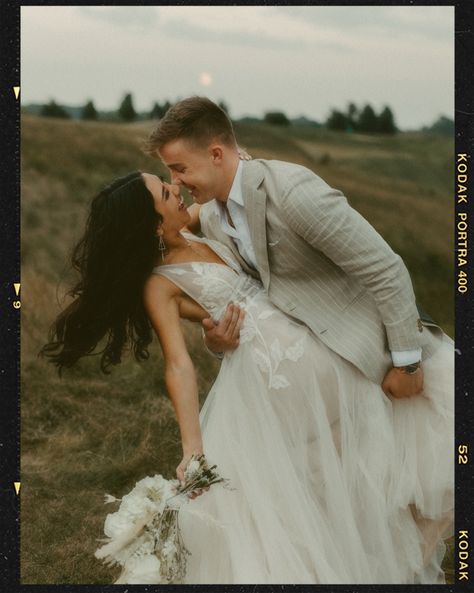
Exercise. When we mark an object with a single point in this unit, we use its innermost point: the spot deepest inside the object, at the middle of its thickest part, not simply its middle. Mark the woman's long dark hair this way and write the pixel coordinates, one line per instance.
(114, 258)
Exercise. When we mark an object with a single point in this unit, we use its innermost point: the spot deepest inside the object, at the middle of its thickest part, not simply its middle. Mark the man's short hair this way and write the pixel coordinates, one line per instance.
(196, 119)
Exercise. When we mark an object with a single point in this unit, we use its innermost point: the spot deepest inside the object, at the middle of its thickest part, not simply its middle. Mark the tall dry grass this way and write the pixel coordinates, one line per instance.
(86, 434)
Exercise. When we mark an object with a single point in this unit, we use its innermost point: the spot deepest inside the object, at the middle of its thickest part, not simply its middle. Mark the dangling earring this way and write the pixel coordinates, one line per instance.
(161, 247)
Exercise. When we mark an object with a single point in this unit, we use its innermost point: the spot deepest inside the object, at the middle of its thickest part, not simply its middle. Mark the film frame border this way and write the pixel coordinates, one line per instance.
(10, 487)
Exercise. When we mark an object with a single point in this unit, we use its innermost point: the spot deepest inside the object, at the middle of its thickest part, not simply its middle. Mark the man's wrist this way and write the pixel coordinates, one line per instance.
(401, 358)
(218, 355)
(409, 369)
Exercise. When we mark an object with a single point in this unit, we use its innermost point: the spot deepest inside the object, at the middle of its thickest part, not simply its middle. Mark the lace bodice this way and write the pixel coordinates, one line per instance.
(272, 336)
(213, 285)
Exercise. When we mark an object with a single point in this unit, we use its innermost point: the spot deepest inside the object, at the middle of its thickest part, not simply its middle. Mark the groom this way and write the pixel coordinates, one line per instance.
(320, 261)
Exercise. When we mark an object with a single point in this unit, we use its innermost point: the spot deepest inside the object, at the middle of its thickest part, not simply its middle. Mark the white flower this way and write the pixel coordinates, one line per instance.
(136, 536)
(141, 570)
(108, 499)
(146, 500)
(170, 488)
(175, 502)
(116, 524)
(154, 484)
(134, 506)
(191, 469)
(127, 542)
(133, 510)
(169, 548)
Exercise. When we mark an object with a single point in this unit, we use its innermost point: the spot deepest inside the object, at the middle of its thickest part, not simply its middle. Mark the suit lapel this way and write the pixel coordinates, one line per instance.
(255, 199)
(222, 237)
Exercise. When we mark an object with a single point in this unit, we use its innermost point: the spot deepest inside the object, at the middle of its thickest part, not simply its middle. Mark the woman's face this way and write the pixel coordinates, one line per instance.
(168, 203)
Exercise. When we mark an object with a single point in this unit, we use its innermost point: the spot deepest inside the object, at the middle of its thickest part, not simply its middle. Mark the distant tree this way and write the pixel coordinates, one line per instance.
(337, 121)
(352, 115)
(276, 118)
(386, 122)
(166, 105)
(224, 107)
(157, 111)
(304, 121)
(443, 125)
(89, 111)
(368, 121)
(250, 119)
(126, 110)
(52, 109)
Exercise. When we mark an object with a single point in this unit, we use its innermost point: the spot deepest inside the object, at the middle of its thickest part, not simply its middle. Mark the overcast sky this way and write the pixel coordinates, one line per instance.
(302, 60)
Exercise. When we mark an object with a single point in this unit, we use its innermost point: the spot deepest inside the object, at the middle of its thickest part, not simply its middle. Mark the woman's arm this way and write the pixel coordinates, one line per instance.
(161, 303)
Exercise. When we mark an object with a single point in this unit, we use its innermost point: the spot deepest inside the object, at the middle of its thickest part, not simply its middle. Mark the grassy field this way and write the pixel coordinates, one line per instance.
(87, 434)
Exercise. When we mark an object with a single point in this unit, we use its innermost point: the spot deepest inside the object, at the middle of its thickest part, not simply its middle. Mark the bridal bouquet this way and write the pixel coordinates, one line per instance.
(143, 535)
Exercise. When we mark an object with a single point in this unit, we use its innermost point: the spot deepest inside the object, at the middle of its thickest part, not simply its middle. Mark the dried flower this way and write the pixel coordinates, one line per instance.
(143, 534)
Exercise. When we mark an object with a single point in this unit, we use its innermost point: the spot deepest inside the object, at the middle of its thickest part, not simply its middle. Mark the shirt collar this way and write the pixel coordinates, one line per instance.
(235, 193)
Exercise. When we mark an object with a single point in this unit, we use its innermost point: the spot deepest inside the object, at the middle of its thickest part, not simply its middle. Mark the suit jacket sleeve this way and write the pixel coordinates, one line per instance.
(322, 216)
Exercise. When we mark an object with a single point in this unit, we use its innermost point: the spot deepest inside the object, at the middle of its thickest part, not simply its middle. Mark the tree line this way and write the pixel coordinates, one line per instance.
(125, 112)
(353, 119)
(364, 120)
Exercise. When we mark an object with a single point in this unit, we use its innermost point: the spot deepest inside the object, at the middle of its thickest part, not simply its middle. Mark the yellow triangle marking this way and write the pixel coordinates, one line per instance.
(17, 288)
(17, 486)
(16, 90)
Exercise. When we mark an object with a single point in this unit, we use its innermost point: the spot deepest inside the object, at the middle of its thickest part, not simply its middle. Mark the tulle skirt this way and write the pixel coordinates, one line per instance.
(332, 481)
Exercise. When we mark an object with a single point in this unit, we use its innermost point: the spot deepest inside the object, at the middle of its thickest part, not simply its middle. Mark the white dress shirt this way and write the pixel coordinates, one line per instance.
(241, 233)
(241, 237)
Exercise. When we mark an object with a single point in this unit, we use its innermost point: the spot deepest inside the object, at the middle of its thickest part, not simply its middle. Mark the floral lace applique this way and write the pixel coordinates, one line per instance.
(248, 331)
(215, 290)
(269, 359)
(214, 285)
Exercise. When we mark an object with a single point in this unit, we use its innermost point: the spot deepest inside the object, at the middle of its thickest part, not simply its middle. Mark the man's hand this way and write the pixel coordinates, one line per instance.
(243, 154)
(224, 335)
(399, 385)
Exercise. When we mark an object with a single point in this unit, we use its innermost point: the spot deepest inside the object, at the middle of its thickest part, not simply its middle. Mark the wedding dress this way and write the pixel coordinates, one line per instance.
(332, 481)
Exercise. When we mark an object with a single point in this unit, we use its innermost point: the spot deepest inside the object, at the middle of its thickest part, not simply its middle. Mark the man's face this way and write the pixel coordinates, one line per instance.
(194, 168)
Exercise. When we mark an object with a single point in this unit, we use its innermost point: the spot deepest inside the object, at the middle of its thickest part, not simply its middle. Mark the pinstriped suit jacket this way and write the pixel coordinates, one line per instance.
(322, 263)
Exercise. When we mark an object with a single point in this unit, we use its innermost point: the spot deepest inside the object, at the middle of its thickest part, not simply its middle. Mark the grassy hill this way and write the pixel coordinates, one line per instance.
(87, 434)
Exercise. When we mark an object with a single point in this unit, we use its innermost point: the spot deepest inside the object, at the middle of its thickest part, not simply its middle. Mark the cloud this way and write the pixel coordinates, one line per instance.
(325, 55)
(336, 28)
(259, 39)
(434, 22)
(226, 25)
(130, 17)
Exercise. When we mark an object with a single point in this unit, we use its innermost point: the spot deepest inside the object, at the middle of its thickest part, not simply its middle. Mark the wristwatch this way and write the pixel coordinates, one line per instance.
(409, 369)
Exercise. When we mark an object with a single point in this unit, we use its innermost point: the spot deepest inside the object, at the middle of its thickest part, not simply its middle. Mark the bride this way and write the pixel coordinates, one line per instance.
(333, 481)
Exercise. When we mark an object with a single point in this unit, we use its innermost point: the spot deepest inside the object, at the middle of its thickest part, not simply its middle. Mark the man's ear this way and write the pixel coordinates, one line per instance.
(216, 153)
